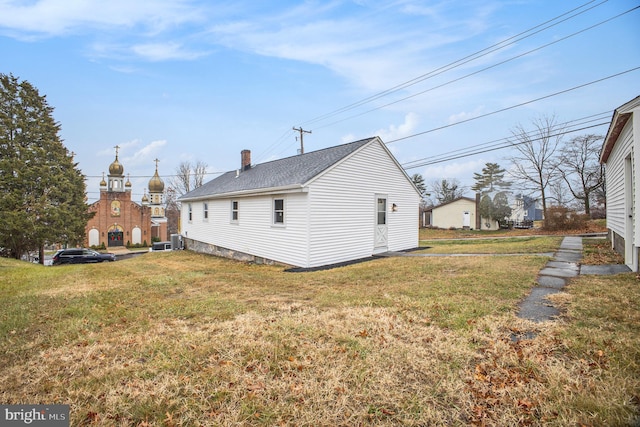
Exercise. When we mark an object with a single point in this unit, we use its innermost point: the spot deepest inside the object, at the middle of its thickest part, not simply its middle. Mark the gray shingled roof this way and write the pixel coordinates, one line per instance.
(290, 171)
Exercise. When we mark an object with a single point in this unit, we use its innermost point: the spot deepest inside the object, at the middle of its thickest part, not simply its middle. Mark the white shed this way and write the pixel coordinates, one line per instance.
(324, 207)
(621, 155)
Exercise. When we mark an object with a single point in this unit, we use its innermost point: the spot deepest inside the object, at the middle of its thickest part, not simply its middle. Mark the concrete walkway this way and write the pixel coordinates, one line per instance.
(551, 279)
(564, 266)
(555, 275)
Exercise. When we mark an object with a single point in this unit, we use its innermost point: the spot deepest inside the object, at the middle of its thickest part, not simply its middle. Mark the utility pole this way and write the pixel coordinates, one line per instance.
(302, 131)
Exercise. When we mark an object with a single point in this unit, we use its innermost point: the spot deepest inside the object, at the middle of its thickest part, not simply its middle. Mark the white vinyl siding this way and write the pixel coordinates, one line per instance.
(622, 176)
(255, 234)
(343, 208)
(616, 216)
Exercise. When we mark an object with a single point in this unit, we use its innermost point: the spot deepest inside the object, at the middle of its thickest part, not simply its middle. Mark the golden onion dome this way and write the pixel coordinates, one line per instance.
(145, 199)
(103, 183)
(128, 183)
(155, 183)
(115, 168)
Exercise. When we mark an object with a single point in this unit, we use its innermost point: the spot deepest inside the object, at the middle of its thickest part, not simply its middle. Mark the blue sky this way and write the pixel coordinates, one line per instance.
(187, 80)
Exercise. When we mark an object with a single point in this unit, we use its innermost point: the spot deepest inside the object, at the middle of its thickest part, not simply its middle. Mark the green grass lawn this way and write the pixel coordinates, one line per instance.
(185, 339)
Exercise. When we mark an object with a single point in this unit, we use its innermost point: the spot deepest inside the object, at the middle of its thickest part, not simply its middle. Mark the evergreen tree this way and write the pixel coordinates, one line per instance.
(494, 203)
(501, 208)
(491, 179)
(43, 192)
(418, 181)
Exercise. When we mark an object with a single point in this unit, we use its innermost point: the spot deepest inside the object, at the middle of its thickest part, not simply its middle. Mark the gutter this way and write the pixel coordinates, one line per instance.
(296, 188)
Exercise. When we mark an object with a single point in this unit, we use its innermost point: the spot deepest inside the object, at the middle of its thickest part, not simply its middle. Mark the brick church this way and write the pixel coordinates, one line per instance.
(118, 220)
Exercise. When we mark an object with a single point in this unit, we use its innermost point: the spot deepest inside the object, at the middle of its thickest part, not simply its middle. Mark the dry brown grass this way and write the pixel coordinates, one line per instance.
(185, 339)
(599, 252)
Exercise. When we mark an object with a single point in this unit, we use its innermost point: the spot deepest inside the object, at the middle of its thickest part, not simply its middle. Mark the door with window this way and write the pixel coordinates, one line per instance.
(466, 219)
(381, 229)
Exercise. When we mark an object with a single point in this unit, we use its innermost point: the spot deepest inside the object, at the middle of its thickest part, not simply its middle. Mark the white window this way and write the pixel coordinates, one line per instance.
(205, 211)
(234, 210)
(190, 212)
(278, 211)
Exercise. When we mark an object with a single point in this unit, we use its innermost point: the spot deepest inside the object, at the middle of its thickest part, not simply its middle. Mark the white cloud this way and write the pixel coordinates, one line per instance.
(58, 17)
(466, 115)
(122, 147)
(410, 124)
(348, 138)
(146, 154)
(373, 53)
(165, 51)
(453, 170)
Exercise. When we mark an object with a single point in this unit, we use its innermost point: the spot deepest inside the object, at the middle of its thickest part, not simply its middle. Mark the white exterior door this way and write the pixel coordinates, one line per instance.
(466, 219)
(381, 230)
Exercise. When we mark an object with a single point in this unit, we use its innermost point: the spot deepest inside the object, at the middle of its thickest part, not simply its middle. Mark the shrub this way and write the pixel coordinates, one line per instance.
(561, 218)
(598, 212)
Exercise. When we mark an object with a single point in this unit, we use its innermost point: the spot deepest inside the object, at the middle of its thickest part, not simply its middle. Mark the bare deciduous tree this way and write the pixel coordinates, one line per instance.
(447, 190)
(535, 166)
(188, 177)
(580, 169)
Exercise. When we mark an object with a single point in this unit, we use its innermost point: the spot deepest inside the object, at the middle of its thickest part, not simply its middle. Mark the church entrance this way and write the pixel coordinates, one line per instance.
(115, 236)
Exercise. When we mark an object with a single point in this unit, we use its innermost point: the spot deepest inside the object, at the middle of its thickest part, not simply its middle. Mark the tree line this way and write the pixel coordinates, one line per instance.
(546, 166)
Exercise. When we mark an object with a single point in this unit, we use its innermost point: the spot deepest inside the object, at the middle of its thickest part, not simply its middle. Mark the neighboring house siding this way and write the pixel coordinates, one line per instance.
(621, 154)
(616, 217)
(342, 208)
(451, 214)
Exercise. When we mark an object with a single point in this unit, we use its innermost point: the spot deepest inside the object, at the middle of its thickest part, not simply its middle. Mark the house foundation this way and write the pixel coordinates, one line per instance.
(209, 249)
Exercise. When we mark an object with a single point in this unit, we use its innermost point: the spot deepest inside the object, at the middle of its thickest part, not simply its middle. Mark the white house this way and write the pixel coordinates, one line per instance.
(461, 213)
(621, 155)
(324, 207)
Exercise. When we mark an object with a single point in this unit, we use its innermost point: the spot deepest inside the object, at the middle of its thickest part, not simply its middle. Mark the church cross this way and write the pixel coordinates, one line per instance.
(117, 147)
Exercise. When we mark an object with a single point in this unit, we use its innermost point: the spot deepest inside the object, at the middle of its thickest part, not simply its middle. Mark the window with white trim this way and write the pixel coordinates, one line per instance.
(234, 210)
(190, 212)
(205, 211)
(278, 211)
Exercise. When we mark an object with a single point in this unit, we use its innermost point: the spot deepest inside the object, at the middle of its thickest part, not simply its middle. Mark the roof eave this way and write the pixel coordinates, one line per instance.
(621, 116)
(618, 123)
(295, 188)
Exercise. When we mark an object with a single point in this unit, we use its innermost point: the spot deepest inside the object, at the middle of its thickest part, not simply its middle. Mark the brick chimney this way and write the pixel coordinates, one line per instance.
(246, 160)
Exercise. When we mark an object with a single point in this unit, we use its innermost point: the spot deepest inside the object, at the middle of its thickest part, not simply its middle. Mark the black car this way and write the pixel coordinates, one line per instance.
(80, 256)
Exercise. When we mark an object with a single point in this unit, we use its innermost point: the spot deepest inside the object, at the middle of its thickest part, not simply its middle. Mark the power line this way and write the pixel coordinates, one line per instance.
(469, 58)
(501, 142)
(479, 71)
(515, 106)
(507, 144)
(476, 55)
